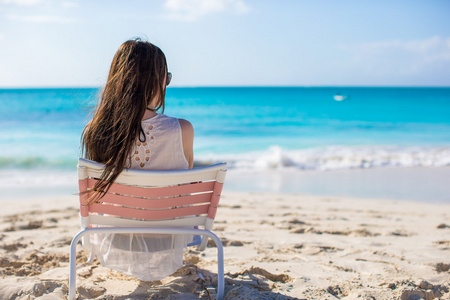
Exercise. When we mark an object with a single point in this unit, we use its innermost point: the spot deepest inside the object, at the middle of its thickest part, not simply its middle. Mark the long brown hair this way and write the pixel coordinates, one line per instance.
(135, 80)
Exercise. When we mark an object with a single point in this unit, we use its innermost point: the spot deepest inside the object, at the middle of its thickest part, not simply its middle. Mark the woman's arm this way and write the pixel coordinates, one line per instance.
(187, 135)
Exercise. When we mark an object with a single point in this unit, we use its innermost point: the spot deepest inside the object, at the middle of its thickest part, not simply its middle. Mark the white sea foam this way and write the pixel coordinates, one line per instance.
(36, 183)
(296, 171)
(17, 178)
(335, 158)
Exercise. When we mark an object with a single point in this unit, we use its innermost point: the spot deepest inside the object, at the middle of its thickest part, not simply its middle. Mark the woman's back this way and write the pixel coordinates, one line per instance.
(149, 257)
(160, 145)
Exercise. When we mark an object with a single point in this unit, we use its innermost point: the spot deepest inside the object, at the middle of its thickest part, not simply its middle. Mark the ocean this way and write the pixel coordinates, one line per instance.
(268, 136)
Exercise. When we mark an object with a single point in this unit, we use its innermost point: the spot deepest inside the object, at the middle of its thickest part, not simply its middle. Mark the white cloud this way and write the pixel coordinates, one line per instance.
(33, 3)
(191, 10)
(29, 10)
(69, 4)
(41, 19)
(397, 57)
(22, 2)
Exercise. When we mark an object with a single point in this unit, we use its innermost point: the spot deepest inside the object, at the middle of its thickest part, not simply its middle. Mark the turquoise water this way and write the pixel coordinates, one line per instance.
(42, 126)
(254, 129)
(253, 119)
(303, 128)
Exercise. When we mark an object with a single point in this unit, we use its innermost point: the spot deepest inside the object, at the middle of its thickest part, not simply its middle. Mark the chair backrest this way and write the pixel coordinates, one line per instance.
(147, 198)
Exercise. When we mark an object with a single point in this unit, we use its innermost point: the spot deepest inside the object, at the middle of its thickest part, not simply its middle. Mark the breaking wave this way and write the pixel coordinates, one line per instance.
(335, 158)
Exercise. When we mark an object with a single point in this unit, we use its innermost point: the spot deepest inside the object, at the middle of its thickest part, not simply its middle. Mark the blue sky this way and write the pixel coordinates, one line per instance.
(56, 43)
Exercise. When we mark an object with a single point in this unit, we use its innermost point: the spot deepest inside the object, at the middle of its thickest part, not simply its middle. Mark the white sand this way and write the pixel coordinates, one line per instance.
(276, 247)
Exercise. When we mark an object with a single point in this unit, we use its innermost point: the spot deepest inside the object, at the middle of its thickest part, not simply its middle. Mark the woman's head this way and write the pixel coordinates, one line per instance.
(139, 68)
(136, 82)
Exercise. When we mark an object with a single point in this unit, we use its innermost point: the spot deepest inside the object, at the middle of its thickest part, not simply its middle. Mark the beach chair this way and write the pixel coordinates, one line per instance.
(152, 202)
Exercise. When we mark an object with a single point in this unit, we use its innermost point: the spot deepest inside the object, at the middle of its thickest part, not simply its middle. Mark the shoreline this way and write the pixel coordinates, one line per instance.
(416, 184)
(290, 246)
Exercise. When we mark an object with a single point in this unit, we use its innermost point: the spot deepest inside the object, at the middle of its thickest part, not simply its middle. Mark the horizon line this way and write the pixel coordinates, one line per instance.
(233, 86)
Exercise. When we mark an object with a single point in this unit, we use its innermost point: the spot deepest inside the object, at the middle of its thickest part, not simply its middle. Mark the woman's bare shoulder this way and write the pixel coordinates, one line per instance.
(186, 126)
(187, 133)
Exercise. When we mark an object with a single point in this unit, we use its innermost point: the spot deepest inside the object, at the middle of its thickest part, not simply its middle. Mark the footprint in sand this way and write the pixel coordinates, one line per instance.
(272, 277)
(91, 291)
(400, 233)
(443, 226)
(441, 267)
(313, 250)
(296, 222)
(13, 247)
(252, 278)
(25, 226)
(225, 243)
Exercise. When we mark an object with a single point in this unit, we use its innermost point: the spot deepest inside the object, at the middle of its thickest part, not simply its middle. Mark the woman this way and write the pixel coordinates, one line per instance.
(127, 132)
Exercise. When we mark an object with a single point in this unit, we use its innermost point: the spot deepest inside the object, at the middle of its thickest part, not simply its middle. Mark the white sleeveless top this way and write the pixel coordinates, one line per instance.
(160, 147)
(145, 256)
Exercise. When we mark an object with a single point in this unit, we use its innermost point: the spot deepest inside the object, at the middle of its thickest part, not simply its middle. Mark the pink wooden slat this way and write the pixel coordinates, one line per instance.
(215, 200)
(213, 208)
(156, 203)
(147, 214)
(218, 188)
(157, 191)
(82, 187)
(84, 211)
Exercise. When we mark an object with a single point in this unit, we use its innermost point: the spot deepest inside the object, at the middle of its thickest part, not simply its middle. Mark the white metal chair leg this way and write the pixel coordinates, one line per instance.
(79, 235)
(91, 256)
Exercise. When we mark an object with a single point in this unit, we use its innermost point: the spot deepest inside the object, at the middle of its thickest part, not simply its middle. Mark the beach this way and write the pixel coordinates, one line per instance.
(333, 119)
(276, 246)
(323, 199)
